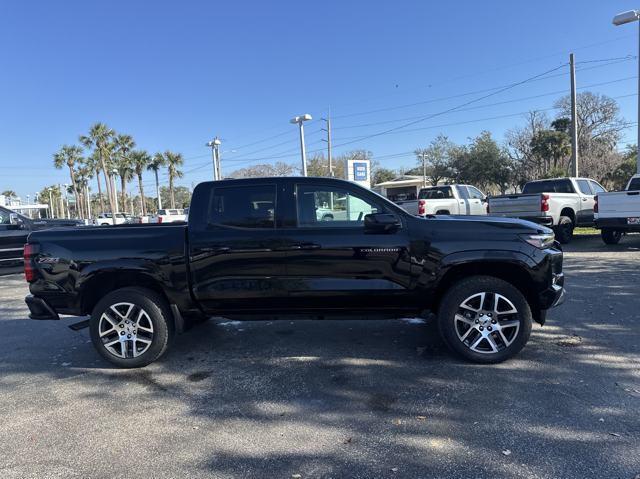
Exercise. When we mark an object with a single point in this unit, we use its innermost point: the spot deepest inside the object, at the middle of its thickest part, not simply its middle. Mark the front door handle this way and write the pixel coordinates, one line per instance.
(215, 249)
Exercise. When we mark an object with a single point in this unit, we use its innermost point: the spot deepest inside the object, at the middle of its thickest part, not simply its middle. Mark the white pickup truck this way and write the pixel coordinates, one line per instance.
(446, 200)
(173, 215)
(618, 212)
(560, 203)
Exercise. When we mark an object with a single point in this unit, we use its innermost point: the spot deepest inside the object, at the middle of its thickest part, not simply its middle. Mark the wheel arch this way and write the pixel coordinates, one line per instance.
(514, 271)
(569, 212)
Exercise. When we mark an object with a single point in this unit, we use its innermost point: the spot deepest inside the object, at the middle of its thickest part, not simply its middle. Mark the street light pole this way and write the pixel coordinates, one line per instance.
(299, 120)
(621, 19)
(215, 157)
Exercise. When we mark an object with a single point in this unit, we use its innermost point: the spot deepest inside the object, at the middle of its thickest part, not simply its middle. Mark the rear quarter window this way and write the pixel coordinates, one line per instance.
(634, 184)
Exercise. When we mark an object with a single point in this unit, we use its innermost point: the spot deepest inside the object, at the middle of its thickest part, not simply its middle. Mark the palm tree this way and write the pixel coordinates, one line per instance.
(123, 146)
(156, 163)
(83, 175)
(70, 156)
(140, 160)
(99, 138)
(93, 163)
(174, 160)
(9, 194)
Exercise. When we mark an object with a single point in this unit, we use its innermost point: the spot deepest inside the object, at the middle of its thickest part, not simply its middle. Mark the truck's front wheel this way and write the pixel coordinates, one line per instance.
(131, 327)
(485, 319)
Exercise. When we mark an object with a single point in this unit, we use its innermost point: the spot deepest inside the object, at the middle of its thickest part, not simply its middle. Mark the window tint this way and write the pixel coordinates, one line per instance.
(634, 185)
(548, 186)
(585, 189)
(475, 193)
(435, 193)
(596, 188)
(322, 206)
(251, 206)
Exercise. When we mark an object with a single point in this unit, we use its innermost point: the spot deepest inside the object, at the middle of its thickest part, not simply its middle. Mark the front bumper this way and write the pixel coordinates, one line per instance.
(40, 309)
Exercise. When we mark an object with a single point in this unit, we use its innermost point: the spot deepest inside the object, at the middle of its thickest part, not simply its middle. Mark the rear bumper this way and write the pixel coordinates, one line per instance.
(40, 309)
(619, 224)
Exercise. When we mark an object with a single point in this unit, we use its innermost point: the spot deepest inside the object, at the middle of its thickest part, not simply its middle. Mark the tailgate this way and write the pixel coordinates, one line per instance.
(515, 205)
(619, 204)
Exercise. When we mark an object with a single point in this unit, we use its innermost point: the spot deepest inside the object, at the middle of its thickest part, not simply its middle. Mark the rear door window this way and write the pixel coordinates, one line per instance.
(634, 184)
(251, 206)
(585, 189)
(596, 187)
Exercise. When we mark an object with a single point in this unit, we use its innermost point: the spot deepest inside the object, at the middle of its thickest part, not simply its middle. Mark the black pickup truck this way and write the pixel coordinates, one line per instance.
(14, 230)
(264, 248)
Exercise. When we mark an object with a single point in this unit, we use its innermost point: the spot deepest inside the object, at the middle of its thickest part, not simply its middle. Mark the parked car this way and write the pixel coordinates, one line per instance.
(446, 200)
(255, 248)
(560, 203)
(14, 229)
(168, 216)
(106, 219)
(618, 212)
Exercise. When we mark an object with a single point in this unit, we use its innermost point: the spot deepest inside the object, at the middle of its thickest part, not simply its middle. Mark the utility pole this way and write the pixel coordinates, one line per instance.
(328, 140)
(423, 156)
(50, 203)
(299, 120)
(574, 119)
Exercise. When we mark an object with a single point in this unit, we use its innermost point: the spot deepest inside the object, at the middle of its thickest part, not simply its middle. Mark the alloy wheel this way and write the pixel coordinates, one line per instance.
(487, 323)
(126, 330)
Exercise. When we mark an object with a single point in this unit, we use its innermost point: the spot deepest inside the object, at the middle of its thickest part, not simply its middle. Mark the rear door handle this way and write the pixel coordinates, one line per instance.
(307, 246)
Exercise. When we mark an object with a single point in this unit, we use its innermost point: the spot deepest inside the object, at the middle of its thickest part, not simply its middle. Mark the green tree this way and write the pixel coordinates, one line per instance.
(174, 161)
(436, 159)
(9, 194)
(483, 163)
(140, 160)
(99, 139)
(123, 144)
(93, 163)
(618, 177)
(156, 164)
(181, 195)
(380, 175)
(70, 156)
(554, 147)
(264, 170)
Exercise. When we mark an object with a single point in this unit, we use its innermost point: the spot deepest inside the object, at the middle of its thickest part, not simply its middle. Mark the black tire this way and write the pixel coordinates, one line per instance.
(471, 287)
(610, 236)
(564, 230)
(158, 314)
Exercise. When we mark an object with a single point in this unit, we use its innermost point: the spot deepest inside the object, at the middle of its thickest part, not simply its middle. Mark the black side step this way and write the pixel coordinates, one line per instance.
(79, 325)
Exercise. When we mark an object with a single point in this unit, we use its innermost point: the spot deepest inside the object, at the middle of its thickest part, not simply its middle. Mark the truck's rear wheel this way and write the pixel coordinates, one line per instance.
(131, 327)
(610, 236)
(485, 319)
(564, 230)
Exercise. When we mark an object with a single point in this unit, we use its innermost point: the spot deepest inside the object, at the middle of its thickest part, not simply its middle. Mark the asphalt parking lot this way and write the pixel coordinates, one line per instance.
(339, 399)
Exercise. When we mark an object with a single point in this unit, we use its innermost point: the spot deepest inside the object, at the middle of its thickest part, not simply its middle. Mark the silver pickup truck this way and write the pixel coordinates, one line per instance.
(560, 203)
(618, 212)
(446, 200)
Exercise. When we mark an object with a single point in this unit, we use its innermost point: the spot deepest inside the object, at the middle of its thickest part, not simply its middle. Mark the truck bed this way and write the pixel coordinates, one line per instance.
(619, 204)
(517, 205)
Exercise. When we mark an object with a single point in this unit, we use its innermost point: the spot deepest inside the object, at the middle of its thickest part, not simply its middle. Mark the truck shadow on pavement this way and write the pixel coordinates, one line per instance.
(354, 398)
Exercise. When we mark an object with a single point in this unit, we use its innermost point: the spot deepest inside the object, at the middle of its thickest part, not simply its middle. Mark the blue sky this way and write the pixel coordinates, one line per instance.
(174, 74)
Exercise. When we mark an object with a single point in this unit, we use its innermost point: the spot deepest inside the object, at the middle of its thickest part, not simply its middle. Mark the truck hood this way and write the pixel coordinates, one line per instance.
(495, 223)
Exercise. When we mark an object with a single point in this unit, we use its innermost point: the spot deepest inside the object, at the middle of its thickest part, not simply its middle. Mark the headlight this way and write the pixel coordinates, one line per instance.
(542, 240)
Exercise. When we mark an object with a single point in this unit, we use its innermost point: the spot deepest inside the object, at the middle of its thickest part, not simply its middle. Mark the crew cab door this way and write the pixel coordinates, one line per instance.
(12, 240)
(333, 262)
(477, 201)
(236, 259)
(586, 203)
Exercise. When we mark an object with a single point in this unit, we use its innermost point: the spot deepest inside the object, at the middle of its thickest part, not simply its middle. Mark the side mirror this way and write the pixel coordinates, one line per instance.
(381, 223)
(14, 219)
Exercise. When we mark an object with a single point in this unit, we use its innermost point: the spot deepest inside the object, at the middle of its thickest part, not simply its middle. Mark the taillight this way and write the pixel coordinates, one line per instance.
(595, 205)
(159, 219)
(422, 207)
(544, 203)
(30, 250)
